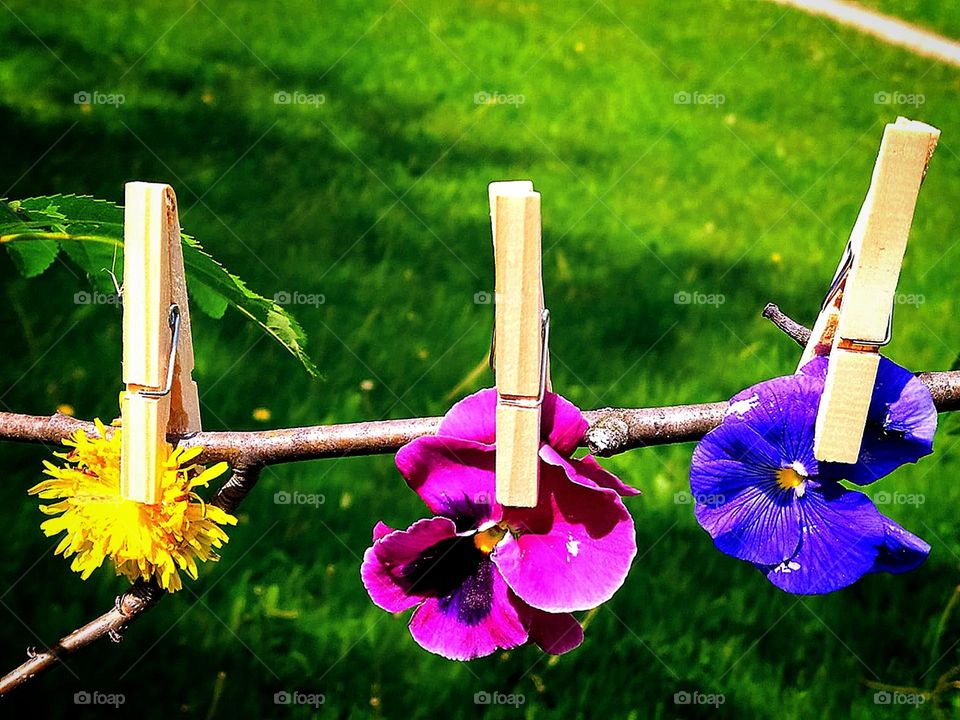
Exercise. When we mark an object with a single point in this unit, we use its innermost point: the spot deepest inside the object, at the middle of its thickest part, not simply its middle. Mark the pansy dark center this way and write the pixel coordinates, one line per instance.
(793, 477)
(458, 573)
(486, 540)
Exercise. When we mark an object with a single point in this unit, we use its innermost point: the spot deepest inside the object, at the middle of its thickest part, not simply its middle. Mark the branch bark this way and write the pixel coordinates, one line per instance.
(134, 602)
(611, 431)
(789, 326)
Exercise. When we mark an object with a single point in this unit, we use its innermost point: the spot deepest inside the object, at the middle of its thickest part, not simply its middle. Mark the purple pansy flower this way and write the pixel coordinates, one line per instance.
(901, 423)
(764, 498)
(483, 576)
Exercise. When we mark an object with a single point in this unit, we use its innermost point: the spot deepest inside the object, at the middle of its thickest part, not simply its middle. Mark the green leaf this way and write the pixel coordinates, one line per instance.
(32, 258)
(209, 301)
(90, 232)
(275, 321)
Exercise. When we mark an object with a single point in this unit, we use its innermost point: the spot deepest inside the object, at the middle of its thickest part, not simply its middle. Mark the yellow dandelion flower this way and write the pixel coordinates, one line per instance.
(143, 541)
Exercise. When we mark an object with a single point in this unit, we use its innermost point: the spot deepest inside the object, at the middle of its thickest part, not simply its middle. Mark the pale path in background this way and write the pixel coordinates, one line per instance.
(887, 28)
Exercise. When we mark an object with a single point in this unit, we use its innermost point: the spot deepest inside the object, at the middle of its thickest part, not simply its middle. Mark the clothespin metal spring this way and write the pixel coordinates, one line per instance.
(174, 341)
(521, 401)
(846, 262)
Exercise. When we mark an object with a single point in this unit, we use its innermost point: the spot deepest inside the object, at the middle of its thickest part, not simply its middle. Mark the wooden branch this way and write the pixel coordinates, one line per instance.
(237, 487)
(267, 447)
(611, 431)
(617, 430)
(134, 602)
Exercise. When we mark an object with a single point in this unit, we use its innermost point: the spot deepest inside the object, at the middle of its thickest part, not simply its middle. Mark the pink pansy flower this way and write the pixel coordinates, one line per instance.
(483, 576)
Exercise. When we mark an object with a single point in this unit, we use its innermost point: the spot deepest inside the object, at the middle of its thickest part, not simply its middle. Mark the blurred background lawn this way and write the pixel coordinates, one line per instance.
(376, 200)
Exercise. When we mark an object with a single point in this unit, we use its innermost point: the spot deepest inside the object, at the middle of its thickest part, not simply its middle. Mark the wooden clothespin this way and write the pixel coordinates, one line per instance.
(857, 316)
(521, 340)
(160, 396)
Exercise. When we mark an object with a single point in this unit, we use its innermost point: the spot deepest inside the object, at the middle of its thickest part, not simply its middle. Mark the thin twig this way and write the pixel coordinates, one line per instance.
(791, 327)
(134, 602)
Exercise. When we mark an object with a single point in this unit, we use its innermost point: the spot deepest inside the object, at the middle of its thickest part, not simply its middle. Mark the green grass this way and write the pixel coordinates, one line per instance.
(642, 198)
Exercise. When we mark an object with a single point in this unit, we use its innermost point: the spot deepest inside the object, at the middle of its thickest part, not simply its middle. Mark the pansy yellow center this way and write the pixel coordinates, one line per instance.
(486, 540)
(793, 477)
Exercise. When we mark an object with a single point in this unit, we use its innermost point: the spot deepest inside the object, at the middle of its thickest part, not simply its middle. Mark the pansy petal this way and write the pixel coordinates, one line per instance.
(783, 411)
(473, 418)
(761, 525)
(842, 533)
(903, 403)
(573, 550)
(735, 470)
(385, 564)
(474, 620)
(587, 471)
(901, 423)
(454, 477)
(731, 459)
(562, 425)
(738, 501)
(554, 633)
(901, 550)
(381, 529)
